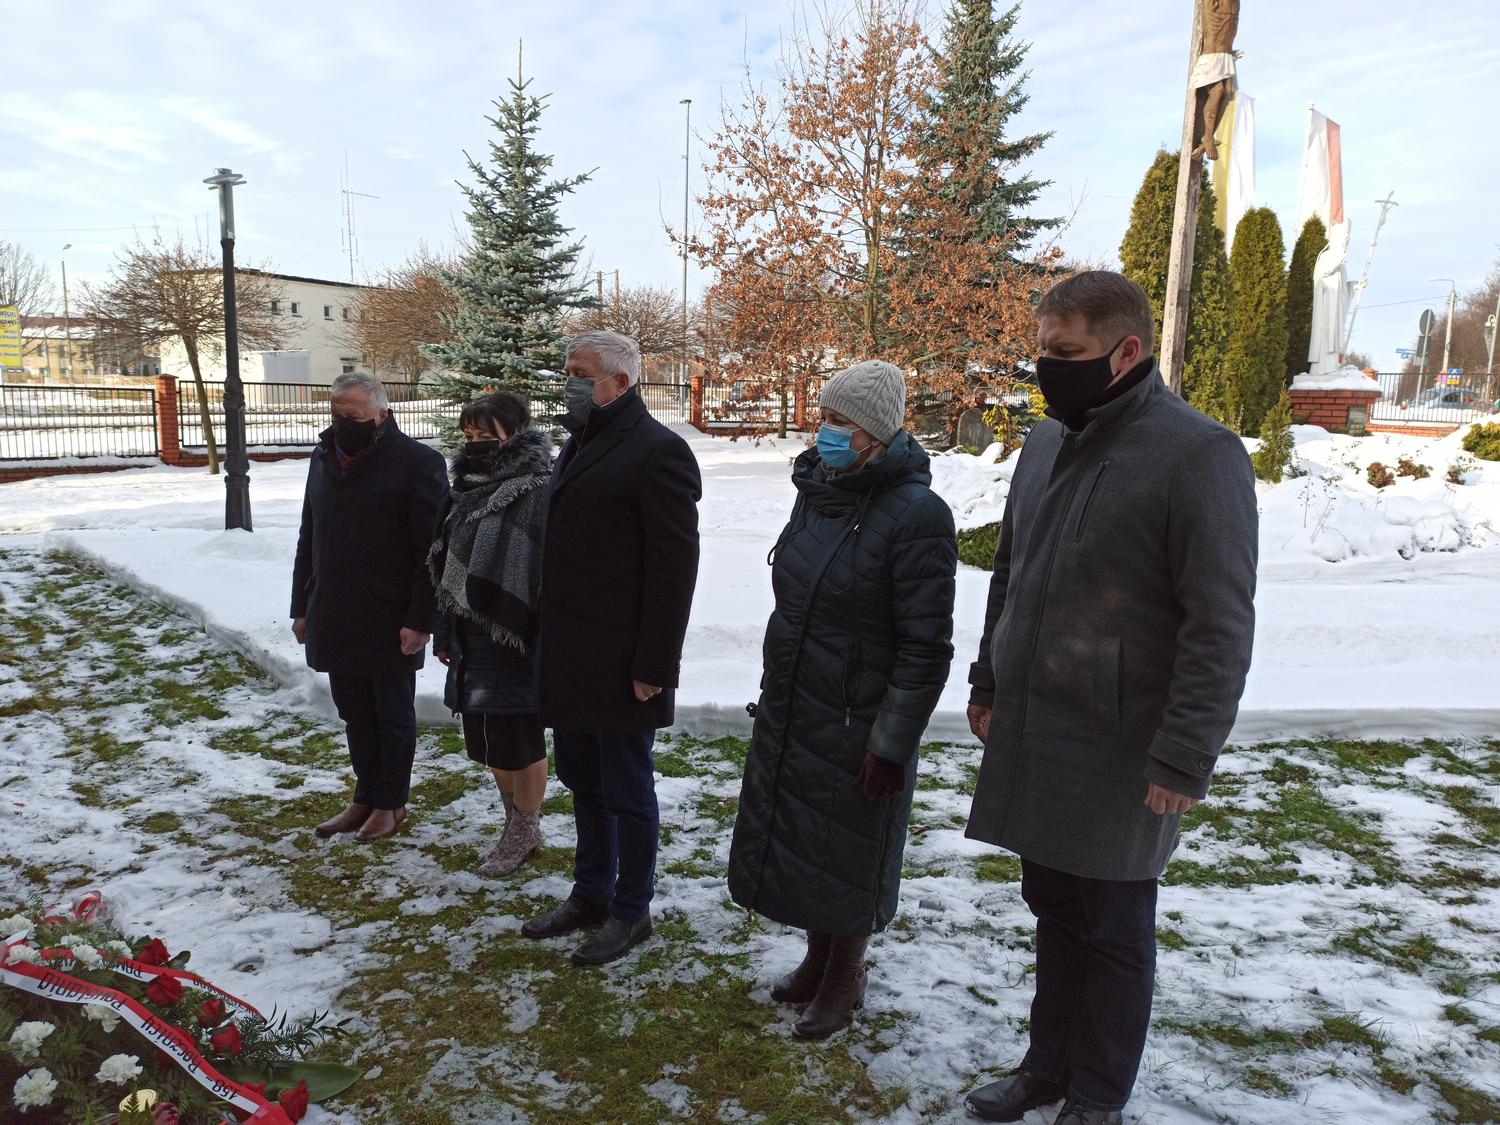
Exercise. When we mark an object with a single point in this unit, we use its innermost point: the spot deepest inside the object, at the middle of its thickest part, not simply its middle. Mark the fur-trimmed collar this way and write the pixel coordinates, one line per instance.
(526, 454)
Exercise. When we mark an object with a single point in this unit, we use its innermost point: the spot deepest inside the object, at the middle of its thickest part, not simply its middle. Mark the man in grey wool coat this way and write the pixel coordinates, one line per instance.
(1116, 643)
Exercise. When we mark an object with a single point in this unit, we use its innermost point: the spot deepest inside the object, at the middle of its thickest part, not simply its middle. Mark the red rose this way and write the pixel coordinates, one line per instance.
(164, 991)
(166, 1114)
(154, 952)
(211, 1013)
(227, 1042)
(294, 1101)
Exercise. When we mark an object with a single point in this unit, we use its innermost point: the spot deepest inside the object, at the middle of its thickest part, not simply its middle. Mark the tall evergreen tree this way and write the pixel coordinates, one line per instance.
(980, 87)
(1257, 334)
(1143, 257)
(1299, 295)
(519, 275)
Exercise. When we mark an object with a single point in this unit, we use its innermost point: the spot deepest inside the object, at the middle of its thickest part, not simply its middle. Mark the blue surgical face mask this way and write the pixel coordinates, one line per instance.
(833, 446)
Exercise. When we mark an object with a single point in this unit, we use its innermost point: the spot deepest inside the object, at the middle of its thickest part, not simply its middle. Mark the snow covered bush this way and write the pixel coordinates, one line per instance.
(1379, 476)
(1406, 467)
(977, 545)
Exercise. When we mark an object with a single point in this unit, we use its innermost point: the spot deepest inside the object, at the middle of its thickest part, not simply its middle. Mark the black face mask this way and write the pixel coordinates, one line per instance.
(480, 456)
(1072, 386)
(352, 436)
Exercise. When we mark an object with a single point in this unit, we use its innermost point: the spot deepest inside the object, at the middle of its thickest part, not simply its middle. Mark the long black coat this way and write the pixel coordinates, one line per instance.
(619, 563)
(1118, 632)
(361, 570)
(856, 655)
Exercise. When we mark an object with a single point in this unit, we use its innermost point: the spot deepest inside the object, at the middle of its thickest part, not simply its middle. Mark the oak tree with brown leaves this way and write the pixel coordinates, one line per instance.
(828, 231)
(160, 291)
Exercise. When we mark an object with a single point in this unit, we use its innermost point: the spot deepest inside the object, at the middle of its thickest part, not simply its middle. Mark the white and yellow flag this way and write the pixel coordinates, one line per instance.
(1234, 170)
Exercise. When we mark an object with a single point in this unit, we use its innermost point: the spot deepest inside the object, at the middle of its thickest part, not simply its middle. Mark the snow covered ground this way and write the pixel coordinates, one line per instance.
(1328, 930)
(1377, 609)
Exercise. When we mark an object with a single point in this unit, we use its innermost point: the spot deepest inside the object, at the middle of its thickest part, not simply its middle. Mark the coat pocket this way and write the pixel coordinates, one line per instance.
(1088, 500)
(1108, 655)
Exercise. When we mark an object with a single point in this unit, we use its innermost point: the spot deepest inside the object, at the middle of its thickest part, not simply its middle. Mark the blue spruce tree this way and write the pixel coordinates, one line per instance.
(520, 273)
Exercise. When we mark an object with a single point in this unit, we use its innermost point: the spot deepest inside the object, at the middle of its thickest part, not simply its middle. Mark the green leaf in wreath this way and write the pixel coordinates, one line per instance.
(324, 1080)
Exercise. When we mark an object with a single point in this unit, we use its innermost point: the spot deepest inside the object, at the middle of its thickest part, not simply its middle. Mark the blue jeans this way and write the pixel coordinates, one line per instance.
(1095, 971)
(613, 781)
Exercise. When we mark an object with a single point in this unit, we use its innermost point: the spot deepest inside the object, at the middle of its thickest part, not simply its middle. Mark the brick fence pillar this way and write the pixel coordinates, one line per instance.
(1337, 411)
(168, 440)
(695, 401)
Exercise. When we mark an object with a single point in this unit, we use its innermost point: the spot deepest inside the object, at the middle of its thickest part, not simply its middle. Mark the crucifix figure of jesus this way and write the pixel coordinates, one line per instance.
(1213, 73)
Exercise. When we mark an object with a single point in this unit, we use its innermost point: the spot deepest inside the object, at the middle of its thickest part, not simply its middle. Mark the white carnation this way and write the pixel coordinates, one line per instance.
(88, 957)
(107, 1018)
(16, 924)
(119, 1069)
(71, 941)
(23, 955)
(35, 1088)
(26, 1039)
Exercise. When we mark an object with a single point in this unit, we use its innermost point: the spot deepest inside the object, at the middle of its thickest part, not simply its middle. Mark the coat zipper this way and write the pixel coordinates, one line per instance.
(1087, 500)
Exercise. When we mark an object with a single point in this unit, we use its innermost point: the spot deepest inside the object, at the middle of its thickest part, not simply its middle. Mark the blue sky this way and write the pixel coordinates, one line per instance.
(113, 113)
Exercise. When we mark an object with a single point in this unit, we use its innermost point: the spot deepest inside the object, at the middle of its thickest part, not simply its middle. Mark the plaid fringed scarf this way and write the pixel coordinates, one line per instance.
(487, 561)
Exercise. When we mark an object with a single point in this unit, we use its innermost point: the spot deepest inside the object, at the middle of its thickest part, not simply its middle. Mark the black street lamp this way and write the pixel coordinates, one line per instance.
(236, 461)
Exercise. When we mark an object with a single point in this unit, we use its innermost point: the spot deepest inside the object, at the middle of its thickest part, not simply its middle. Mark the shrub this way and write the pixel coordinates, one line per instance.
(1483, 440)
(1273, 460)
(1379, 476)
(1406, 467)
(977, 546)
(1457, 470)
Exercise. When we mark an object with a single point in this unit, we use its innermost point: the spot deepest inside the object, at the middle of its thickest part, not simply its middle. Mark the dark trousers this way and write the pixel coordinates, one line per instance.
(1095, 970)
(380, 723)
(613, 781)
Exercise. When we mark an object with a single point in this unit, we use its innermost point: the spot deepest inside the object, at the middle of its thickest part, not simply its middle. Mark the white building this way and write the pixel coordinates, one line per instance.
(316, 316)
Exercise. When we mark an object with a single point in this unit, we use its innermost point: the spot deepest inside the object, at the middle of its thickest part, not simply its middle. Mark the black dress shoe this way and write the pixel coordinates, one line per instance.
(614, 939)
(573, 914)
(1075, 1114)
(1010, 1097)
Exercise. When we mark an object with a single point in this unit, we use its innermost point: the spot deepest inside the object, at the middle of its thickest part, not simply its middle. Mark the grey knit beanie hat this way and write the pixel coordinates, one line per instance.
(872, 395)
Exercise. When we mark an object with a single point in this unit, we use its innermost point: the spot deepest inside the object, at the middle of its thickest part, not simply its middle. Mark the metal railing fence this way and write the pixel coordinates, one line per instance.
(50, 423)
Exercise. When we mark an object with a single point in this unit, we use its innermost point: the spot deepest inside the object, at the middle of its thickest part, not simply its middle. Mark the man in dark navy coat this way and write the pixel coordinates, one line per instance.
(619, 563)
(362, 601)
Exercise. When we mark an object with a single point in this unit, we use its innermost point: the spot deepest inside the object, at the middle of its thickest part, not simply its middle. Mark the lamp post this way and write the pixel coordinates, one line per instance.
(236, 463)
(687, 135)
(67, 321)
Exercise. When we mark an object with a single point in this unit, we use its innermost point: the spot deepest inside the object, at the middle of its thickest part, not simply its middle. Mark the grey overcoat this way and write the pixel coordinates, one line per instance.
(1117, 635)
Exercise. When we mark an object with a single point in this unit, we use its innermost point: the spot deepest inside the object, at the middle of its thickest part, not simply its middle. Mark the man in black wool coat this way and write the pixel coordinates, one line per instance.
(362, 601)
(619, 563)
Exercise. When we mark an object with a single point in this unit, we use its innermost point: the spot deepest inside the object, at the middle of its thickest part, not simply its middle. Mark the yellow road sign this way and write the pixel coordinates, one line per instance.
(10, 336)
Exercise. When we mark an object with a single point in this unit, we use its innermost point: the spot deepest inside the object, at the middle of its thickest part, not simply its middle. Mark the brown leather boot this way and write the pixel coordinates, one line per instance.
(842, 990)
(801, 984)
(347, 821)
(382, 823)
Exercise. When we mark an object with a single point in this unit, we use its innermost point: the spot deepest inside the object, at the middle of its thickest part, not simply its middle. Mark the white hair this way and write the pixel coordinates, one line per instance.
(372, 387)
(618, 354)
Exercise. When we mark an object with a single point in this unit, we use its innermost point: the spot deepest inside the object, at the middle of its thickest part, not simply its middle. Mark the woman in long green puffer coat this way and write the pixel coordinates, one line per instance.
(856, 655)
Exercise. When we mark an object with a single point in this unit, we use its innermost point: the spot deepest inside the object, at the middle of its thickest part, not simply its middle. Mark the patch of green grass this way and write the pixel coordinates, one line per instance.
(1168, 938)
(1469, 1105)
(1480, 814)
(1265, 1081)
(1000, 867)
(177, 702)
(1387, 944)
(160, 823)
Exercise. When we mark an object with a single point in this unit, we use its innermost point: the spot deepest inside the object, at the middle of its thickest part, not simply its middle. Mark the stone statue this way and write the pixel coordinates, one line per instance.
(1330, 304)
(1213, 72)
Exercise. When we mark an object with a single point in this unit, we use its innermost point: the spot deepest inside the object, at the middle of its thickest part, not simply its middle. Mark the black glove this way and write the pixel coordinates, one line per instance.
(879, 777)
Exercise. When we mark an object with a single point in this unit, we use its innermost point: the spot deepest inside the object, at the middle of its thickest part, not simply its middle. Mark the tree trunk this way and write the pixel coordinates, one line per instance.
(203, 415)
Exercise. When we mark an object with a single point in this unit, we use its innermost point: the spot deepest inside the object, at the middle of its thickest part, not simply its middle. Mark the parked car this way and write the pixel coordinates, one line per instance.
(1449, 398)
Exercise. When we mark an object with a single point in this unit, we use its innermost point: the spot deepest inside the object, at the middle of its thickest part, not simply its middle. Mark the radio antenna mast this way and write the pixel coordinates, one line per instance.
(348, 239)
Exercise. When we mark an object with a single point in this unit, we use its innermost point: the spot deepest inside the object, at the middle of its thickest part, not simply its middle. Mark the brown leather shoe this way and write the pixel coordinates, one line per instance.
(347, 821)
(842, 990)
(382, 823)
(801, 984)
